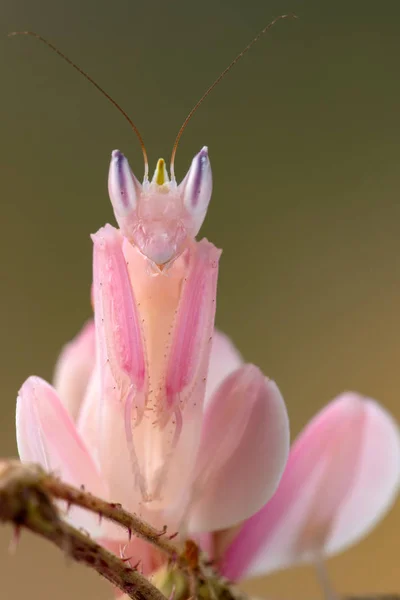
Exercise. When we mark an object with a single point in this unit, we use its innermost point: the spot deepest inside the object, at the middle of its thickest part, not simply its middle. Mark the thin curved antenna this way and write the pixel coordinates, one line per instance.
(96, 85)
(216, 82)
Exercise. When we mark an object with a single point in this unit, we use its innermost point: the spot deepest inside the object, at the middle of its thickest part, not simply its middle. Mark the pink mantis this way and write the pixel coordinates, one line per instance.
(153, 408)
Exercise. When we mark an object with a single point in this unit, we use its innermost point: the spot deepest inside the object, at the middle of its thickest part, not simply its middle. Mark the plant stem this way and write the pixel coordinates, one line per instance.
(25, 502)
(114, 512)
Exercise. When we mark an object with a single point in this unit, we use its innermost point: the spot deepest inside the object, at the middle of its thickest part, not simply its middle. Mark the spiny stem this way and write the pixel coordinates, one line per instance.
(26, 503)
(195, 572)
(113, 512)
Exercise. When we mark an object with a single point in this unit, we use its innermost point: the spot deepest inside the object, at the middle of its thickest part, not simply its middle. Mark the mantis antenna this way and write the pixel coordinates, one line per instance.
(96, 85)
(216, 82)
(118, 107)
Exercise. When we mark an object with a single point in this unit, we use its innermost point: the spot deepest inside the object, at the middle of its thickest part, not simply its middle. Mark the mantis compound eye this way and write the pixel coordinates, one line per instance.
(123, 187)
(196, 189)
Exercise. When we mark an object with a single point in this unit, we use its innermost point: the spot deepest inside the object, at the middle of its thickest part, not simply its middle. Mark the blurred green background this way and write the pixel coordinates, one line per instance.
(304, 143)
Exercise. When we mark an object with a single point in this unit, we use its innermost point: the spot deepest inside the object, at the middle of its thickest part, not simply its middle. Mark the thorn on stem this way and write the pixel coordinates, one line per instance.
(135, 567)
(163, 531)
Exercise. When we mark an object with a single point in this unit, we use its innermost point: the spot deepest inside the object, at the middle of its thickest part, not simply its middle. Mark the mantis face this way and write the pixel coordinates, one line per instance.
(160, 217)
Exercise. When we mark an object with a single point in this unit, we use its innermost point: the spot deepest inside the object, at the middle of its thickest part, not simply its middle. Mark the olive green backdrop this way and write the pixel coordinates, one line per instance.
(304, 143)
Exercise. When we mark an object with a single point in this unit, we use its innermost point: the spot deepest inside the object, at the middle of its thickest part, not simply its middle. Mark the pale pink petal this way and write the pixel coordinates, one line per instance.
(324, 501)
(376, 484)
(73, 369)
(47, 435)
(244, 448)
(224, 359)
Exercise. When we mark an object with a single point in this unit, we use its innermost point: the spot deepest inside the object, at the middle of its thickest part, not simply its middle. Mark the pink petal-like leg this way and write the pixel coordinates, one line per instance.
(243, 451)
(341, 477)
(224, 359)
(74, 368)
(47, 435)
